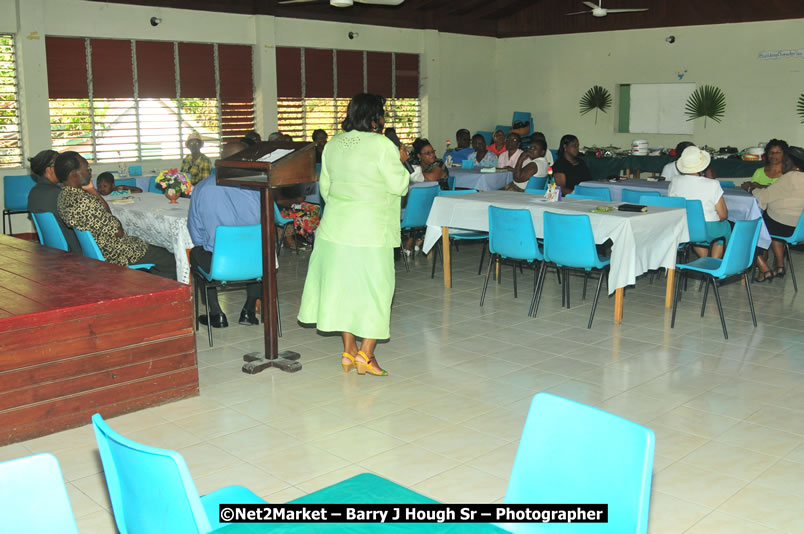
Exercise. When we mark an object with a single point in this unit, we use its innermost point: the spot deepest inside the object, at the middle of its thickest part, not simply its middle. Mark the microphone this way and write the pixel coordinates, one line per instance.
(390, 133)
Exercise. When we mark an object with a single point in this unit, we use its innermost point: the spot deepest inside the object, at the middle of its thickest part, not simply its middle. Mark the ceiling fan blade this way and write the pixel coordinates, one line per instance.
(626, 10)
(578, 13)
(591, 5)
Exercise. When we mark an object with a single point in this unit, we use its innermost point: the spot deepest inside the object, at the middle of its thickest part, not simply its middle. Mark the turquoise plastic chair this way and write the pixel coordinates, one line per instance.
(152, 186)
(33, 498)
(726, 184)
(795, 239)
(50, 234)
(414, 220)
(15, 196)
(573, 453)
(600, 193)
(451, 182)
(570, 244)
(282, 224)
(91, 249)
(666, 202)
(696, 224)
(151, 489)
(537, 182)
(236, 260)
(512, 236)
(632, 196)
(488, 136)
(132, 182)
(583, 197)
(459, 235)
(738, 259)
(524, 116)
(532, 191)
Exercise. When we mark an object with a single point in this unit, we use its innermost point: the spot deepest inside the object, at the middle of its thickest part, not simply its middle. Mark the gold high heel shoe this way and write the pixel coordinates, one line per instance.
(347, 366)
(366, 365)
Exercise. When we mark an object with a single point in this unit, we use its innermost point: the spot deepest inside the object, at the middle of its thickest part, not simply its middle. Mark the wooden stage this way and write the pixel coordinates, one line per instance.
(80, 336)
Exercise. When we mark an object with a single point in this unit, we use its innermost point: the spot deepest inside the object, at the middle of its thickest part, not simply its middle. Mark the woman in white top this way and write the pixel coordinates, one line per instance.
(507, 160)
(670, 171)
(691, 185)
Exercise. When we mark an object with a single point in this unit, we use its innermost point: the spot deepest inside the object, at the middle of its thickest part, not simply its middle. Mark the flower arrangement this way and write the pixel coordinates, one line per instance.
(172, 179)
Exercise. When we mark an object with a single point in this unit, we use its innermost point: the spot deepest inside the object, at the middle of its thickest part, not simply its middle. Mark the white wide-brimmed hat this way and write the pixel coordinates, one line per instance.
(693, 160)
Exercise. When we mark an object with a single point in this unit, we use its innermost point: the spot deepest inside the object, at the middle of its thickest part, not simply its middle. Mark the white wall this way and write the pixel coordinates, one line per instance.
(550, 73)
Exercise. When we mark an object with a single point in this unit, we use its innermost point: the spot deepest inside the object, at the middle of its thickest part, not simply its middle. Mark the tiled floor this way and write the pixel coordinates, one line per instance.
(728, 415)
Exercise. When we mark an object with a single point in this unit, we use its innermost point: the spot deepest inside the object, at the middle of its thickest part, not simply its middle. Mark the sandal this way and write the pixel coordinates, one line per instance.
(764, 276)
(347, 365)
(369, 365)
(779, 272)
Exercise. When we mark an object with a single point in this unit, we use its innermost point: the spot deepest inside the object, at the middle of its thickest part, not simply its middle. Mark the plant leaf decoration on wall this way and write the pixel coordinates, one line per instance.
(596, 98)
(801, 107)
(708, 102)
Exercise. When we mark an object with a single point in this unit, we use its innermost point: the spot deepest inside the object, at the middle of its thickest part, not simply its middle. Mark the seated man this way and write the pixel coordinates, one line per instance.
(196, 164)
(213, 205)
(45, 194)
(463, 139)
(81, 207)
(106, 185)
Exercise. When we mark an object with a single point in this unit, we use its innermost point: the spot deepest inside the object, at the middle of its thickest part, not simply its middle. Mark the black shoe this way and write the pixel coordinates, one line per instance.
(218, 320)
(248, 317)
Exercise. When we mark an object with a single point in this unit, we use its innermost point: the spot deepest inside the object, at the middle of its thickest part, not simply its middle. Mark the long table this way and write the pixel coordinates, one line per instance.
(482, 181)
(742, 205)
(154, 220)
(604, 167)
(640, 241)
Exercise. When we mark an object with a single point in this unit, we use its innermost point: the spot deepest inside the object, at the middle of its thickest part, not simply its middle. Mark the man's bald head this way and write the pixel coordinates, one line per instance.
(230, 149)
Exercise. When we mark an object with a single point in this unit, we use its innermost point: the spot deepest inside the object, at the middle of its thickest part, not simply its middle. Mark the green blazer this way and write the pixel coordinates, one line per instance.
(362, 183)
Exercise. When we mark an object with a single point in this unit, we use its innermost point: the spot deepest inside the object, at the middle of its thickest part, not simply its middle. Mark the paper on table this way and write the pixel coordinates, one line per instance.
(275, 155)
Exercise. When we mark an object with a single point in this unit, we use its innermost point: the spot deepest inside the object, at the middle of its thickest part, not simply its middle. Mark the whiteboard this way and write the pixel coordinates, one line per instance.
(659, 108)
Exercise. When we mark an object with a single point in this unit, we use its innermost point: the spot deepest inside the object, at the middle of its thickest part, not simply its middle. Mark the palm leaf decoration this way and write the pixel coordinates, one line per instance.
(801, 107)
(708, 102)
(596, 98)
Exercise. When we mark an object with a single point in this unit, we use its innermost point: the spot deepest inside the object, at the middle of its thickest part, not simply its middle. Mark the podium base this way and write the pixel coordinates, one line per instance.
(286, 361)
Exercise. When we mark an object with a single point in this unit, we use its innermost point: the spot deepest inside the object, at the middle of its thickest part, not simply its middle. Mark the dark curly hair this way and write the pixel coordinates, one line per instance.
(364, 109)
(775, 142)
(565, 140)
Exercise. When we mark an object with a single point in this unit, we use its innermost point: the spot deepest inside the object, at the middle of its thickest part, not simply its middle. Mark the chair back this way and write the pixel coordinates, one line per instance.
(89, 247)
(532, 191)
(739, 255)
(420, 200)
(131, 182)
(537, 182)
(456, 192)
(696, 223)
(569, 241)
(15, 191)
(451, 182)
(33, 498)
(278, 219)
(582, 197)
(511, 234)
(152, 188)
(600, 193)
(632, 196)
(572, 453)
(488, 136)
(50, 234)
(237, 254)
(667, 202)
(798, 233)
(151, 489)
(726, 184)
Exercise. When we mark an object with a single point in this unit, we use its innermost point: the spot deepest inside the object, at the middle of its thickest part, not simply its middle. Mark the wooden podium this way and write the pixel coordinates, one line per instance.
(244, 169)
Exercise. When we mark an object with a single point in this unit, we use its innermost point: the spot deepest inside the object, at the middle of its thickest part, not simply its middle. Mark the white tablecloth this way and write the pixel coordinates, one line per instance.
(742, 205)
(152, 218)
(641, 241)
(482, 181)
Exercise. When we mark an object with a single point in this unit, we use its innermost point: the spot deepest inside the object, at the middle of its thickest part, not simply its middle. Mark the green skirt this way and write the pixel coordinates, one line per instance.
(349, 289)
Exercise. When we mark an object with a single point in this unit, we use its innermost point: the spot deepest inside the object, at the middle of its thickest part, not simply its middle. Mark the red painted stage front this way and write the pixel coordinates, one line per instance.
(80, 336)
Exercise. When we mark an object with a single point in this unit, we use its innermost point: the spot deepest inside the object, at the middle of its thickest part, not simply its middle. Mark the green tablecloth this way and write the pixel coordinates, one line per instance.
(365, 488)
(601, 168)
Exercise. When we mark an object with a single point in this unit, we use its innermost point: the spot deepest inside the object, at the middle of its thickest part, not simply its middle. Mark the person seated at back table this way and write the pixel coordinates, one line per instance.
(462, 150)
(196, 164)
(320, 138)
(106, 185)
(775, 152)
(507, 160)
(251, 138)
(569, 169)
(530, 163)
(497, 145)
(426, 166)
(81, 207)
(306, 215)
(44, 196)
(213, 205)
(482, 157)
(692, 185)
(670, 171)
(548, 156)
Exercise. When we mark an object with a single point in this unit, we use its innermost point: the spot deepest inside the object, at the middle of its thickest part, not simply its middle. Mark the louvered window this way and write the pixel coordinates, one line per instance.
(10, 138)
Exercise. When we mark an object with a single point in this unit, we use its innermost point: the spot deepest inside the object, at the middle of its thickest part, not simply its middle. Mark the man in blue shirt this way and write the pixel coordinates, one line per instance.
(214, 205)
(463, 139)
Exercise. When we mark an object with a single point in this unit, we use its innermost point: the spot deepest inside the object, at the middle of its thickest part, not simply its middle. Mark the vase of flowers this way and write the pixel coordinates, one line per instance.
(174, 184)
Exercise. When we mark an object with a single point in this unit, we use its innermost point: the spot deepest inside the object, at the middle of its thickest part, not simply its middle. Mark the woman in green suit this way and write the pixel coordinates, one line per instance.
(350, 280)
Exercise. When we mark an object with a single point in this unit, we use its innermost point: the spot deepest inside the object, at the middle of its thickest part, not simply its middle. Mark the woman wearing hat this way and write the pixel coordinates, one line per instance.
(783, 202)
(692, 185)
(196, 164)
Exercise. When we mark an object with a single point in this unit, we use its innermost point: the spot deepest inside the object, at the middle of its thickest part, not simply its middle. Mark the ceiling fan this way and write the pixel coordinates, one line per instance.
(599, 11)
(346, 3)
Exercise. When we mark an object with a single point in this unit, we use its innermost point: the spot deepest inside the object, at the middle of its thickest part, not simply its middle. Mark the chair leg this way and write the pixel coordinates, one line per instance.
(585, 279)
(514, 269)
(720, 308)
(436, 250)
(206, 305)
(404, 259)
(195, 290)
(482, 256)
(789, 262)
(750, 298)
(706, 292)
(486, 281)
(676, 295)
(597, 295)
(278, 317)
(567, 285)
(534, 305)
(280, 239)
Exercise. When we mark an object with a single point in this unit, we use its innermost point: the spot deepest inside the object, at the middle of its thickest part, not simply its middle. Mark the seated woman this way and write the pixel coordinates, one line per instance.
(507, 160)
(426, 166)
(570, 170)
(482, 156)
(530, 163)
(783, 202)
(692, 185)
(306, 216)
(670, 171)
(497, 145)
(106, 185)
(775, 152)
(320, 139)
